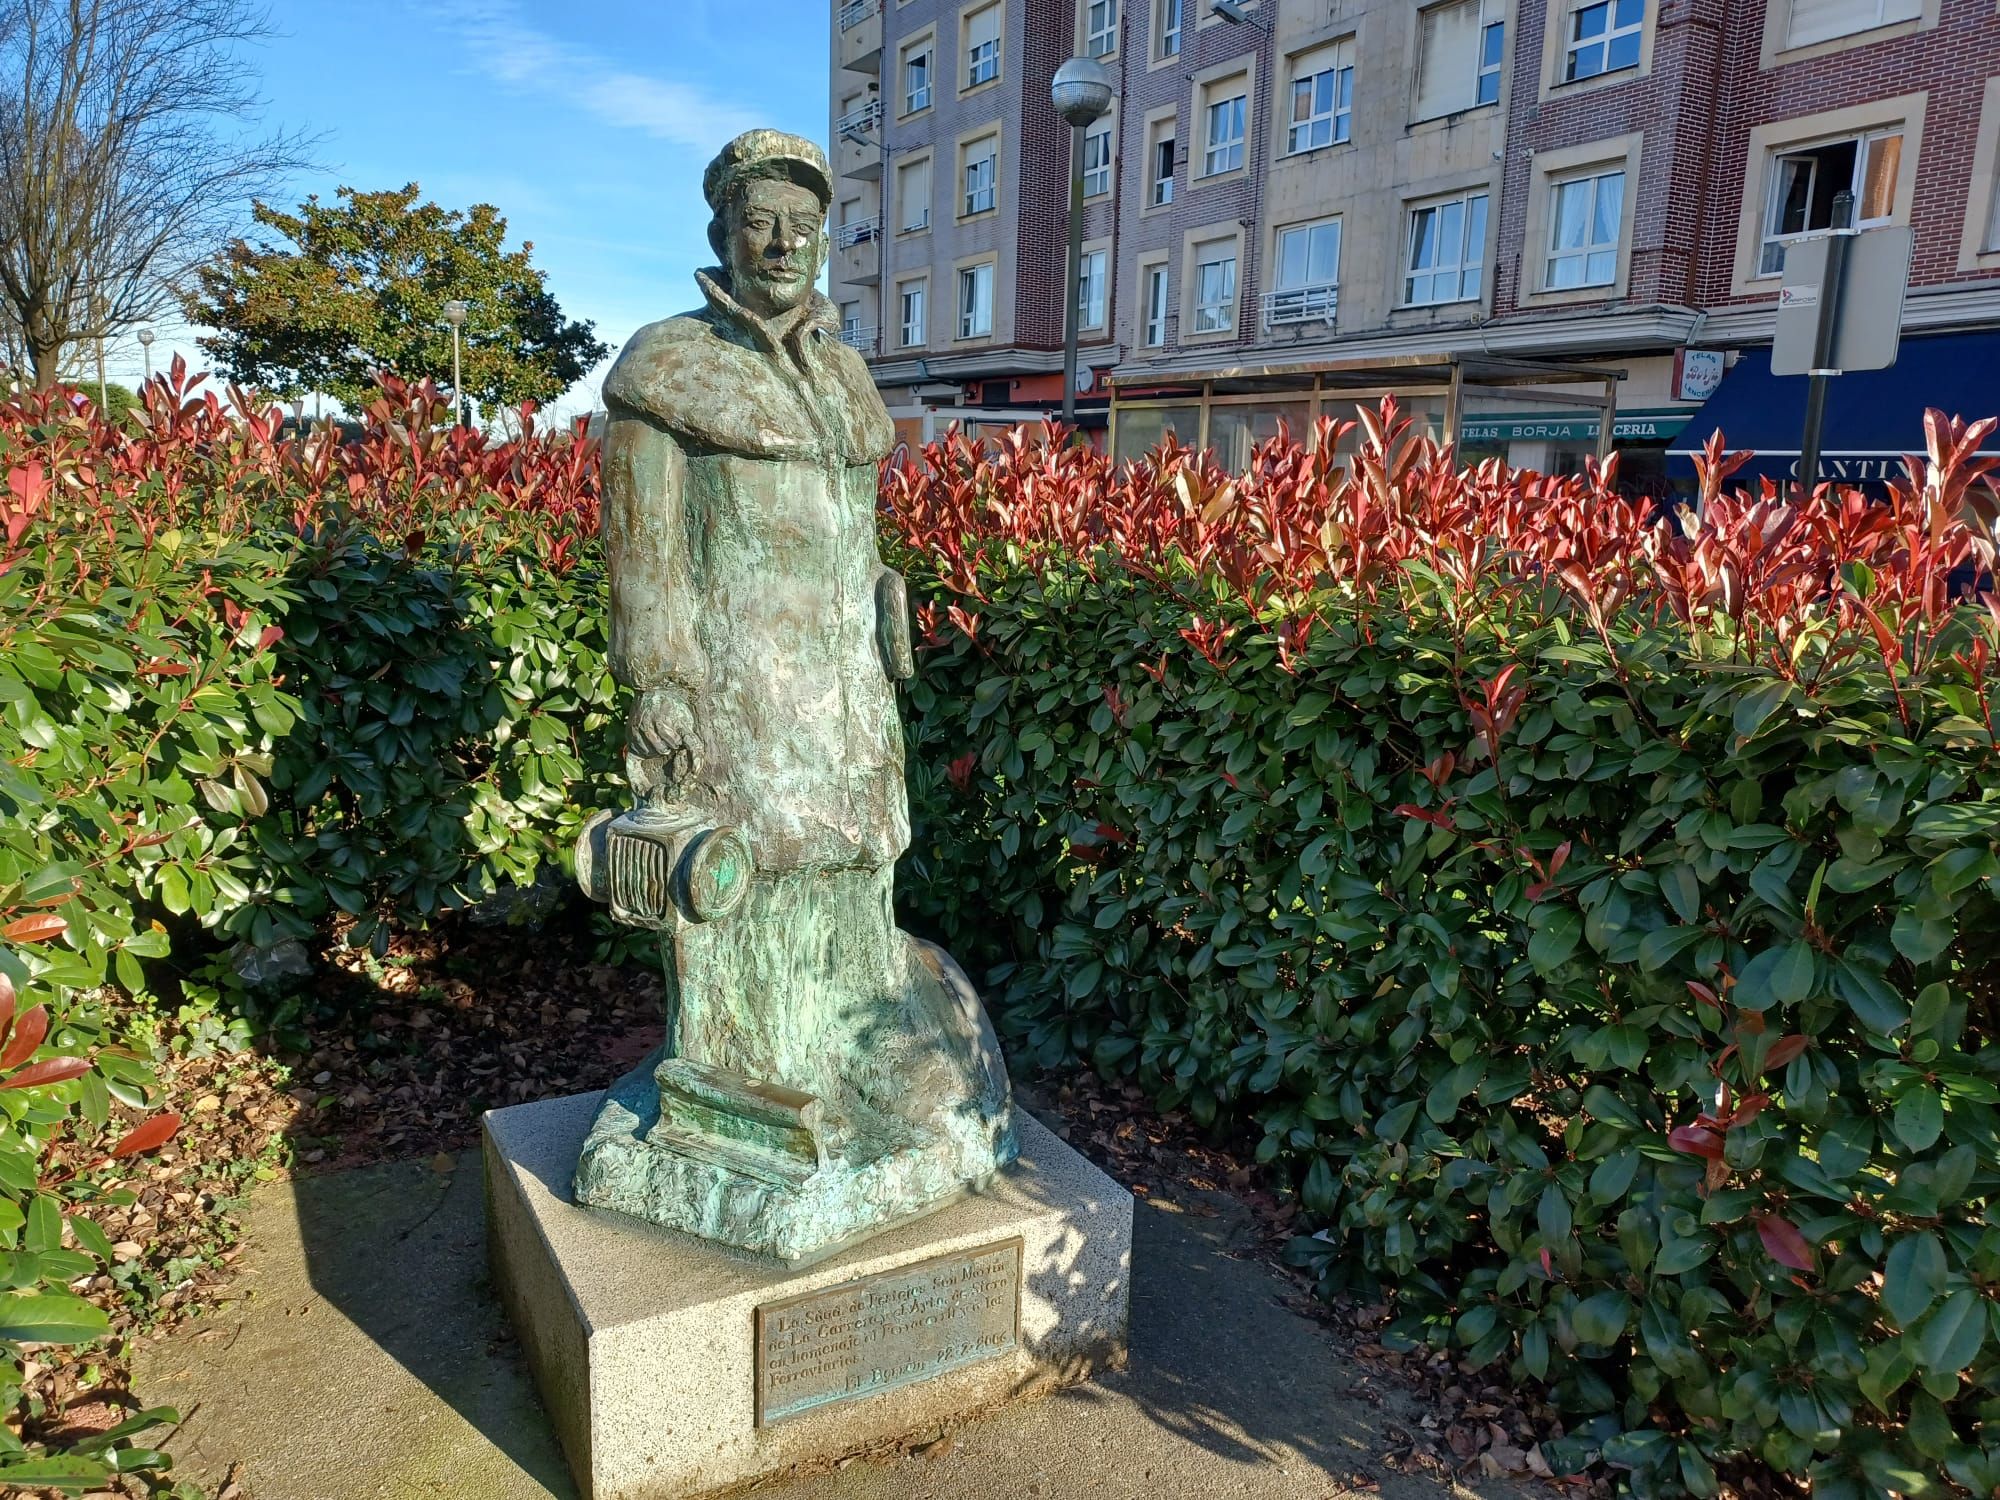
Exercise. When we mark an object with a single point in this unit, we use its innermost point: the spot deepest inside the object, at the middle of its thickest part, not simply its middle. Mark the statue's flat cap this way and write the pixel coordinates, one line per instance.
(758, 148)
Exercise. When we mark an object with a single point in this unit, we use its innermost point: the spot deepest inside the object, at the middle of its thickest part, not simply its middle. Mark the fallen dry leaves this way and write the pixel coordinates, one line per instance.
(451, 1022)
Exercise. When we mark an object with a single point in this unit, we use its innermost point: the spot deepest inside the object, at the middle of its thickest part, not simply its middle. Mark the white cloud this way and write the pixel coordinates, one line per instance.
(514, 53)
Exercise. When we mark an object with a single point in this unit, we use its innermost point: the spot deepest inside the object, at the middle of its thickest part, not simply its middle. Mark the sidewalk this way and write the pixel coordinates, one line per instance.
(366, 1358)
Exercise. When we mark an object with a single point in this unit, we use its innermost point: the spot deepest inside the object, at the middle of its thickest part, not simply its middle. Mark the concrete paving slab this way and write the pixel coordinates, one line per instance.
(369, 1361)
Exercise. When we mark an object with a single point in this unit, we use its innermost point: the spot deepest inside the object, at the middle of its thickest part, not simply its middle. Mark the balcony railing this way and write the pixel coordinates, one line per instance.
(863, 120)
(1302, 304)
(859, 231)
(858, 337)
(856, 11)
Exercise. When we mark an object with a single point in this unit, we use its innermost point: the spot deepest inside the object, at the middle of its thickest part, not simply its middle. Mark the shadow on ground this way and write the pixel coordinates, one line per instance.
(369, 1359)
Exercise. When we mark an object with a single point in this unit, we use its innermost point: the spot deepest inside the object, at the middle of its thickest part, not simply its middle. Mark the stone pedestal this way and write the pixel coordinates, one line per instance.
(673, 1367)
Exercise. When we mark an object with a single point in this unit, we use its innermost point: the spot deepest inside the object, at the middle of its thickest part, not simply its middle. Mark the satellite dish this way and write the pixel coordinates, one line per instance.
(1086, 380)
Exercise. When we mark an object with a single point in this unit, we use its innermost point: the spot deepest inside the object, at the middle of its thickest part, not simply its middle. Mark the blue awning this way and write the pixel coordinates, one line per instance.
(1873, 417)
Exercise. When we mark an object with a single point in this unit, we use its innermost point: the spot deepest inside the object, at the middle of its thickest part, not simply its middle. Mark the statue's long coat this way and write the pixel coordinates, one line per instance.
(740, 482)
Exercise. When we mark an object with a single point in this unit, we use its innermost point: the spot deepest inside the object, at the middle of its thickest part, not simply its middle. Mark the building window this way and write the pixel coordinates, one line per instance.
(1804, 183)
(1492, 54)
(980, 160)
(1992, 240)
(1162, 191)
(913, 195)
(1090, 291)
(1447, 251)
(1169, 28)
(911, 327)
(1156, 307)
(1308, 274)
(982, 46)
(1461, 48)
(1604, 38)
(1322, 97)
(917, 79)
(975, 301)
(1586, 217)
(1215, 286)
(1823, 20)
(1097, 159)
(1100, 28)
(1224, 152)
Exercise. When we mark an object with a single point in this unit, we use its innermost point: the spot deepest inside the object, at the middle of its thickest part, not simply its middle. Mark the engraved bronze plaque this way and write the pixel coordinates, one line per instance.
(888, 1330)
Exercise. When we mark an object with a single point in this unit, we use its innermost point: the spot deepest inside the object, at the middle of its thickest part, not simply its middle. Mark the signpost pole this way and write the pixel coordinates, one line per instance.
(1073, 282)
(1822, 357)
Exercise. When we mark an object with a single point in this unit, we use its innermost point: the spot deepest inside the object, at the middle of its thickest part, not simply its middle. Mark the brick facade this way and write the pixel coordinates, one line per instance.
(1701, 115)
(1949, 63)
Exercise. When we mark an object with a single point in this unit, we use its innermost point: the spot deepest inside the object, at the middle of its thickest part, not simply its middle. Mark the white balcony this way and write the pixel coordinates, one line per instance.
(857, 258)
(1302, 304)
(860, 338)
(860, 42)
(859, 232)
(862, 120)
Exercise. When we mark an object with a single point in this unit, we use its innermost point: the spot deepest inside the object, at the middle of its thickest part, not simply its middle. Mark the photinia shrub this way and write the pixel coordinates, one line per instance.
(60, 1080)
(1590, 909)
(251, 682)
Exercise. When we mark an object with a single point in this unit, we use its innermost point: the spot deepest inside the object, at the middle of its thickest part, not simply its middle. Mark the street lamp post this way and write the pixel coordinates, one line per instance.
(454, 314)
(146, 348)
(1081, 93)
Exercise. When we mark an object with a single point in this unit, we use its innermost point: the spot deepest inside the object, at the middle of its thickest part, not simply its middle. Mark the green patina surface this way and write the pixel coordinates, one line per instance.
(825, 1074)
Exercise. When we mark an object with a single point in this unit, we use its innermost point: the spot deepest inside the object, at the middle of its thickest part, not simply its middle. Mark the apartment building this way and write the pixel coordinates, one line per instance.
(951, 206)
(1518, 215)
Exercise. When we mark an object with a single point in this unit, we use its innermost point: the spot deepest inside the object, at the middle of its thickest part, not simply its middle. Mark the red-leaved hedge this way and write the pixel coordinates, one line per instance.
(1590, 909)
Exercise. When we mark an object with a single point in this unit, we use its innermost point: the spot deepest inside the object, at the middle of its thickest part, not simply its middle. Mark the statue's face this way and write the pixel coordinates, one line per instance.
(776, 245)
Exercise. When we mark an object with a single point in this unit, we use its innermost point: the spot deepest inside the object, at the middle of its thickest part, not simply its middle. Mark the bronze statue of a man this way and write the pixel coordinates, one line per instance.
(824, 1073)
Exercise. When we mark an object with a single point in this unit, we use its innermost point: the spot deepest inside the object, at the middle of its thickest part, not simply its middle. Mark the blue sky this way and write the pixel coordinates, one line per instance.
(587, 124)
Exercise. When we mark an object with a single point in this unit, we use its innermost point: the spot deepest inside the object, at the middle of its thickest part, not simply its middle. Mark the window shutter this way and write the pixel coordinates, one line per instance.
(916, 195)
(1447, 59)
(983, 28)
(1822, 20)
(1316, 61)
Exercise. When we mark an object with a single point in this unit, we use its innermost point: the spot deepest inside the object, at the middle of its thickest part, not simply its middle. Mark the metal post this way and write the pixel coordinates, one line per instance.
(1822, 359)
(1454, 406)
(1606, 417)
(1081, 92)
(454, 314)
(1074, 281)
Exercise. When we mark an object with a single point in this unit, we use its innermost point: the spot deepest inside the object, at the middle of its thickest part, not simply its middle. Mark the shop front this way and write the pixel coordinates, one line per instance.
(1873, 418)
(1233, 411)
(1561, 442)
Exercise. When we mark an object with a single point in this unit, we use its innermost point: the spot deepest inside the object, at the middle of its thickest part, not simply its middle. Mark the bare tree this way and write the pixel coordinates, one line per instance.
(123, 162)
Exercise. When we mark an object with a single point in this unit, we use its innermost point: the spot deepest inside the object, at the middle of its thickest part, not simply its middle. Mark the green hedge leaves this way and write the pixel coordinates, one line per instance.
(1606, 958)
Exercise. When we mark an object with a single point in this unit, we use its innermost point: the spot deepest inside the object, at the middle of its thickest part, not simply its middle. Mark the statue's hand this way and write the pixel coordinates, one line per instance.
(892, 625)
(661, 745)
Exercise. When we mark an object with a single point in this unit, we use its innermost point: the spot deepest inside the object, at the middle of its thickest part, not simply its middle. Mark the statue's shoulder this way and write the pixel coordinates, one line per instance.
(695, 376)
(708, 390)
(655, 359)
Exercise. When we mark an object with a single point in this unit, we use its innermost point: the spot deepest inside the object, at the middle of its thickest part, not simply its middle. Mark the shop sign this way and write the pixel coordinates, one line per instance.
(1635, 428)
(1698, 373)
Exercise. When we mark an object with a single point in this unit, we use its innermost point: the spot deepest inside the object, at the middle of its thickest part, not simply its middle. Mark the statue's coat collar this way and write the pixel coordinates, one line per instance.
(723, 379)
(784, 333)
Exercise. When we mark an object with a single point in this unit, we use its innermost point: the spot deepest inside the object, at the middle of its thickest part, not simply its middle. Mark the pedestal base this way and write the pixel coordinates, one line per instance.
(625, 1167)
(672, 1367)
